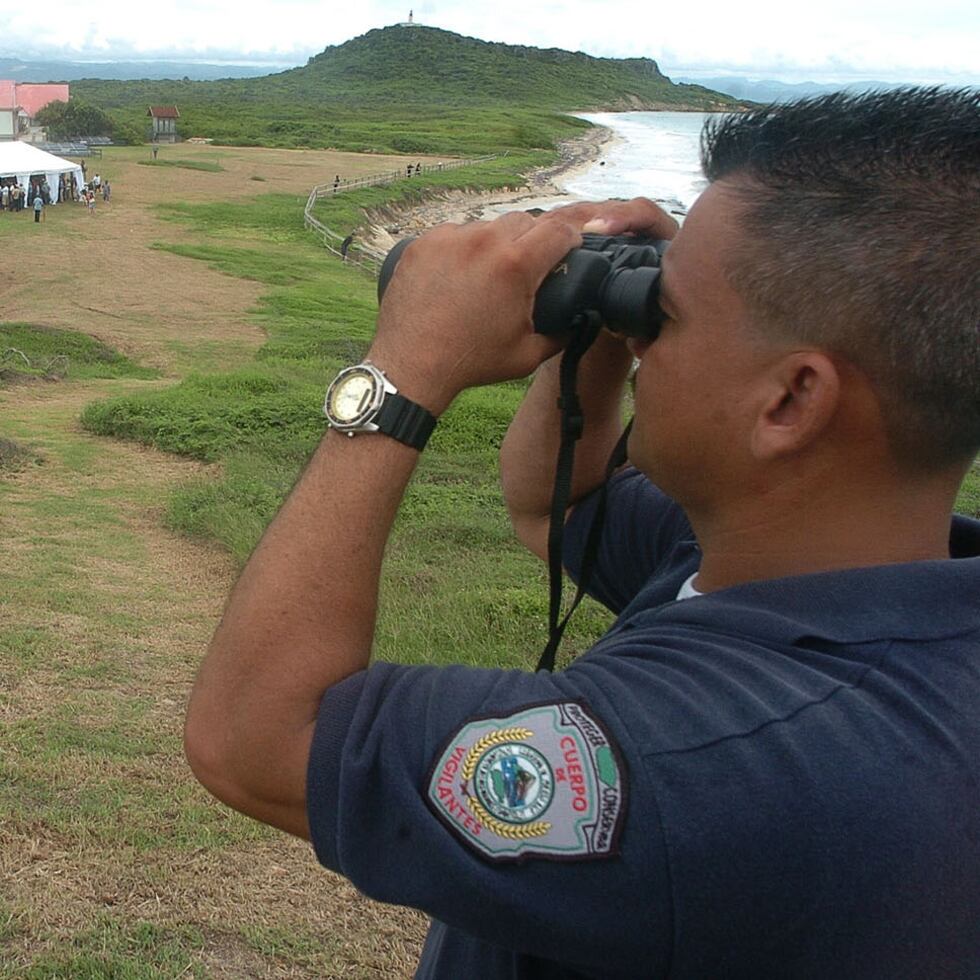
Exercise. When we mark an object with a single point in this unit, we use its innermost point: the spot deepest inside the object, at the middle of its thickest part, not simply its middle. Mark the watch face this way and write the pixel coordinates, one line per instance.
(352, 397)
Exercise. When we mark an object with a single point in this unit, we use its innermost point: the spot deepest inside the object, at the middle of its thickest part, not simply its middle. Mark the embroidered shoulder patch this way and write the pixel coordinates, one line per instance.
(545, 782)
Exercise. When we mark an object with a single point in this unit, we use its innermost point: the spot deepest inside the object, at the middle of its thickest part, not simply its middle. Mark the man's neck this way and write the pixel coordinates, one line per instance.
(793, 533)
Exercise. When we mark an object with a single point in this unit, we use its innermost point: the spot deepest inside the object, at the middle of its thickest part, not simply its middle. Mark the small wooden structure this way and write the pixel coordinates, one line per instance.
(164, 119)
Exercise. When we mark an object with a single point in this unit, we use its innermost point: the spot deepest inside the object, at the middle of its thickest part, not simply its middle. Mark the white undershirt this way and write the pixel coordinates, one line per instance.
(687, 590)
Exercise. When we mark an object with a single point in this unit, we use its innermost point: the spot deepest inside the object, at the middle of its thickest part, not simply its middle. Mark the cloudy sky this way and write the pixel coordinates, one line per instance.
(937, 40)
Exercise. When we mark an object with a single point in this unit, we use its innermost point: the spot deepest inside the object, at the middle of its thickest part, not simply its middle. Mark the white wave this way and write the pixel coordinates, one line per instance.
(656, 158)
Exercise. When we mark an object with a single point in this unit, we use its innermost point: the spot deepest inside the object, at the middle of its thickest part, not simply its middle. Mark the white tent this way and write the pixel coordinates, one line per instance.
(23, 161)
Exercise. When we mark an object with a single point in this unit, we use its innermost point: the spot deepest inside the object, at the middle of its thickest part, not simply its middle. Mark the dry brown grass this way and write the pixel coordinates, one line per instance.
(104, 616)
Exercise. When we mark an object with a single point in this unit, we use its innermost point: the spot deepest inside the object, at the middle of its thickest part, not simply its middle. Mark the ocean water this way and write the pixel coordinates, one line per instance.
(656, 157)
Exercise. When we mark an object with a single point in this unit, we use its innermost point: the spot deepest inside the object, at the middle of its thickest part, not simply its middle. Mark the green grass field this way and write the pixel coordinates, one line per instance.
(262, 423)
(28, 351)
(968, 500)
(209, 167)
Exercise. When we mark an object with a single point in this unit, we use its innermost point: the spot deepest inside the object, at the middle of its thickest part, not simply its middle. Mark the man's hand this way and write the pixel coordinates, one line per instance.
(638, 217)
(457, 312)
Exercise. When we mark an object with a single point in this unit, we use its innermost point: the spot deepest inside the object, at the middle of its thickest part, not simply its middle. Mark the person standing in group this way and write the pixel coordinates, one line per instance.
(106, 191)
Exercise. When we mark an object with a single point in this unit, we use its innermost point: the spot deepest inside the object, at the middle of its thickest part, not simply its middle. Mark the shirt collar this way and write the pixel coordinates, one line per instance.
(913, 600)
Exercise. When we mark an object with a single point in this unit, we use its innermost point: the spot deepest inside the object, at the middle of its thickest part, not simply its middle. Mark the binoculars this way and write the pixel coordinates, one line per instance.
(614, 277)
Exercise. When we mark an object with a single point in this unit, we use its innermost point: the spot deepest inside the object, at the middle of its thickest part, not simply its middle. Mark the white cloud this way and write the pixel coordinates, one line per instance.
(872, 37)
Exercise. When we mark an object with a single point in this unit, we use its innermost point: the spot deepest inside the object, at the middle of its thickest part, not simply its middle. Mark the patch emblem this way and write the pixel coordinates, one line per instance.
(546, 782)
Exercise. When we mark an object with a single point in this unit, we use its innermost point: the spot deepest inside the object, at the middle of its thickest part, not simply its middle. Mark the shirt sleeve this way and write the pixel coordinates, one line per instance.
(641, 531)
(399, 752)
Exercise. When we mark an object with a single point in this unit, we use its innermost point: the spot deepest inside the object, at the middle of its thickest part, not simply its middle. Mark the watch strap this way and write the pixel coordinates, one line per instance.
(405, 421)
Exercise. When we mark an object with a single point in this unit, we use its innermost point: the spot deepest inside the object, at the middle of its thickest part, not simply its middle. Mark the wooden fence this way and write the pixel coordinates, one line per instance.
(362, 255)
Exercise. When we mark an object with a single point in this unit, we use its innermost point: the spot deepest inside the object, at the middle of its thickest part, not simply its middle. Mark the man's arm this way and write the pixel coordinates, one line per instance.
(530, 448)
(302, 616)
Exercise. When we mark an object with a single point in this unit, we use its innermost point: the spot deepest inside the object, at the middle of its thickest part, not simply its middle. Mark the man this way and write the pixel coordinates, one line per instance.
(770, 766)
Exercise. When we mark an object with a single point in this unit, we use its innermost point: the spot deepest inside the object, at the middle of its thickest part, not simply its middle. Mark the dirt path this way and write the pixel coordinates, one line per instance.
(100, 276)
(105, 839)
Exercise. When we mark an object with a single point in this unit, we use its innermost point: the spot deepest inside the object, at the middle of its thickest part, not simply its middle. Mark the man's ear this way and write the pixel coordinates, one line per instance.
(801, 395)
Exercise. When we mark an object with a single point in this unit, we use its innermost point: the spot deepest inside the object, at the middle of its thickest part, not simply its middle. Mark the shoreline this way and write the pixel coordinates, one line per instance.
(575, 156)
(543, 188)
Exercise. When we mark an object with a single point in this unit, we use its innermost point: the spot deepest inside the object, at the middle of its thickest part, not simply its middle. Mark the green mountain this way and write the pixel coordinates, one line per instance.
(408, 89)
(423, 64)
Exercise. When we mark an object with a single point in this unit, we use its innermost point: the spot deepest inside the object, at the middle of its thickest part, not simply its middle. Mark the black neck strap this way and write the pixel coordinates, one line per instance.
(586, 329)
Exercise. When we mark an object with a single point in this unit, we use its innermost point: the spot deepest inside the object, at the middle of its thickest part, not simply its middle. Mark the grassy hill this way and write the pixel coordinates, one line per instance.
(407, 89)
(424, 65)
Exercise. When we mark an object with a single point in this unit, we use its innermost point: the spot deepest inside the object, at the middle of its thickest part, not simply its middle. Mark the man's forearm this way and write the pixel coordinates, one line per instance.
(530, 448)
(300, 619)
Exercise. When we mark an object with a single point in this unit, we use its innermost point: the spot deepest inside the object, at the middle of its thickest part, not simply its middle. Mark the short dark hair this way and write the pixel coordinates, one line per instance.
(862, 221)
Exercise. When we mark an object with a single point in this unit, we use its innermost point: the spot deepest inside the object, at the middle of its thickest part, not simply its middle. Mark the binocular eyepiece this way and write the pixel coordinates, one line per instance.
(613, 277)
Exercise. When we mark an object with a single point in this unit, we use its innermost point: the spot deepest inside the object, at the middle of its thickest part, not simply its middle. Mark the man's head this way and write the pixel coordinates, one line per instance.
(860, 221)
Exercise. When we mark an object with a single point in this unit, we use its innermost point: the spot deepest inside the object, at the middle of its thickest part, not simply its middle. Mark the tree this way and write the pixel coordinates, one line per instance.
(74, 120)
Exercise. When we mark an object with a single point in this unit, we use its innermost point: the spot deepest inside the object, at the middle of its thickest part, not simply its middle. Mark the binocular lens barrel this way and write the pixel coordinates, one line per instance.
(630, 302)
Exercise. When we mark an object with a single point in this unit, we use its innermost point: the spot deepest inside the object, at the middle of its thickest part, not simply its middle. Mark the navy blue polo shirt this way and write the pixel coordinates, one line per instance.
(780, 779)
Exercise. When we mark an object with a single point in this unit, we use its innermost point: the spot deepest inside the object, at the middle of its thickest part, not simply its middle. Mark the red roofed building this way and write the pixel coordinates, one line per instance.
(33, 98)
(21, 102)
(164, 123)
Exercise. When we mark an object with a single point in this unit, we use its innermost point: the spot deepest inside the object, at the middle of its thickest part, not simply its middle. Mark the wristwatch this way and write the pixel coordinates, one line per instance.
(362, 399)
